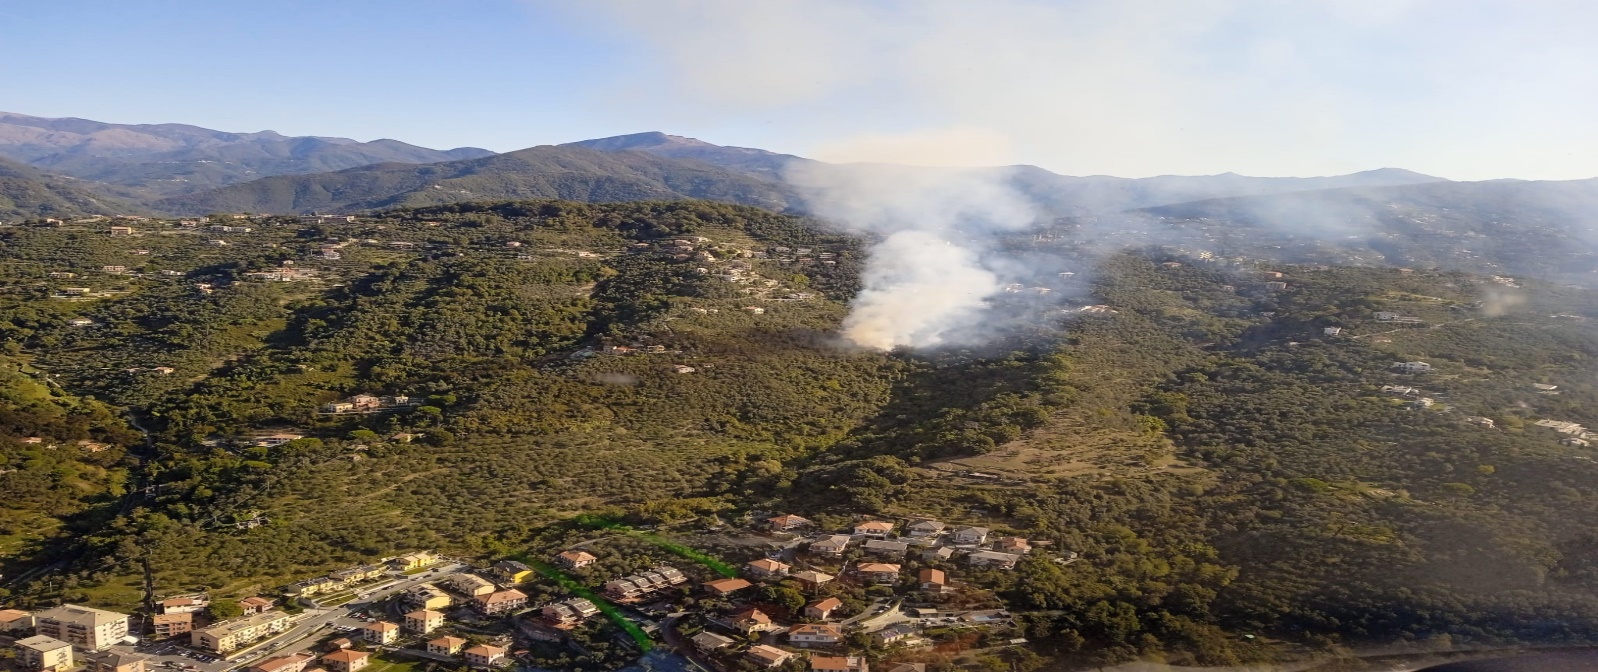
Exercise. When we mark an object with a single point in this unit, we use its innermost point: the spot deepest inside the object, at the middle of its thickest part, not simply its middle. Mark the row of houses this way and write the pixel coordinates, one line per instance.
(638, 586)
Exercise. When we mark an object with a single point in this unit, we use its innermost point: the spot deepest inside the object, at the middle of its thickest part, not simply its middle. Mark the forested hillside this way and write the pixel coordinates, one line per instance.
(1212, 448)
(29, 193)
(572, 173)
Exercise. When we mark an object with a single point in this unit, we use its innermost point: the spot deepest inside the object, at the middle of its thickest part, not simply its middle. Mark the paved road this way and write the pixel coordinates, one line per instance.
(310, 626)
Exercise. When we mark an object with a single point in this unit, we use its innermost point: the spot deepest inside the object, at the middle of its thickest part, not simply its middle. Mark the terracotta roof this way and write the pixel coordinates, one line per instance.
(486, 651)
(874, 567)
(577, 556)
(933, 576)
(826, 604)
(380, 626)
(425, 614)
(752, 614)
(346, 656)
(447, 642)
(768, 565)
(728, 585)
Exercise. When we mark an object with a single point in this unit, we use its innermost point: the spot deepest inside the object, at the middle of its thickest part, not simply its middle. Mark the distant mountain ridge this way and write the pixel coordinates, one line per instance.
(566, 172)
(155, 160)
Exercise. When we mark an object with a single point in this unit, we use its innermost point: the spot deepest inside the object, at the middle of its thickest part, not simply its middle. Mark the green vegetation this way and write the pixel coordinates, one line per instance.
(1206, 461)
(605, 607)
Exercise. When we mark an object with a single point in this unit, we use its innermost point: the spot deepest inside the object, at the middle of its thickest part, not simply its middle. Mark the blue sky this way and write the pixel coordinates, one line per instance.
(1466, 89)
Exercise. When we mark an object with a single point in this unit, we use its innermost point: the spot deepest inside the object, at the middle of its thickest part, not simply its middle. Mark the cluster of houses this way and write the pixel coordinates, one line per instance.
(67, 637)
(932, 539)
(366, 403)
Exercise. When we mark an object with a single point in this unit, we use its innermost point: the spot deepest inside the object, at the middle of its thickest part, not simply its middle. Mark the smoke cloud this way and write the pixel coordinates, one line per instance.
(929, 277)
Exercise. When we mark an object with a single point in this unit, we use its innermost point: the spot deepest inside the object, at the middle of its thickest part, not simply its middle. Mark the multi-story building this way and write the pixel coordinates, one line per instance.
(44, 654)
(501, 602)
(427, 596)
(471, 584)
(83, 627)
(172, 625)
(13, 621)
(424, 621)
(291, 663)
(484, 655)
(382, 632)
(230, 635)
(446, 646)
(346, 660)
(108, 661)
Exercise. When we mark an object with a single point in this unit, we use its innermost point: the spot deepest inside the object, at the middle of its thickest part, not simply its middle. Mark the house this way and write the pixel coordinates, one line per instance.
(815, 634)
(275, 439)
(230, 635)
(993, 559)
(559, 614)
(500, 602)
(709, 641)
(346, 660)
(937, 554)
(114, 270)
(971, 535)
(811, 578)
(1399, 390)
(925, 528)
(1479, 421)
(80, 322)
(86, 628)
(1385, 315)
(575, 559)
(1544, 388)
(1574, 442)
(512, 571)
(381, 632)
(766, 568)
(108, 661)
(471, 584)
(933, 580)
(183, 605)
(338, 407)
(424, 621)
(13, 621)
(1413, 367)
(1276, 286)
(834, 544)
(874, 528)
(821, 610)
(894, 634)
(787, 522)
(722, 587)
(752, 620)
(427, 596)
(878, 573)
(1332, 331)
(767, 656)
(291, 663)
(838, 664)
(256, 604)
(908, 667)
(446, 646)
(683, 368)
(365, 402)
(411, 561)
(1016, 545)
(121, 230)
(339, 644)
(171, 625)
(639, 585)
(41, 653)
(892, 549)
(484, 655)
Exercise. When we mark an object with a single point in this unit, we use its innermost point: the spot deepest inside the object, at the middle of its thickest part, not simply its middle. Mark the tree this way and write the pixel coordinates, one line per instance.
(225, 609)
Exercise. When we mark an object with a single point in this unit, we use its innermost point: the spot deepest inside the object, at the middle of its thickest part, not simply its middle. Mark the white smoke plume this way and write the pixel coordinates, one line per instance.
(926, 282)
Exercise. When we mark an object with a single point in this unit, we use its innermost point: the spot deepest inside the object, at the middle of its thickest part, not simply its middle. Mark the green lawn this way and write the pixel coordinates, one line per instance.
(389, 663)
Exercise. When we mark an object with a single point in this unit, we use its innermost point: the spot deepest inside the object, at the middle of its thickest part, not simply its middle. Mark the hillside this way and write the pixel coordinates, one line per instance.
(540, 172)
(1207, 455)
(27, 193)
(1538, 229)
(153, 160)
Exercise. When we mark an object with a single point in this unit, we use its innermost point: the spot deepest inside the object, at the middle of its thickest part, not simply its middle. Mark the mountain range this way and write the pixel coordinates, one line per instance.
(158, 160)
(186, 170)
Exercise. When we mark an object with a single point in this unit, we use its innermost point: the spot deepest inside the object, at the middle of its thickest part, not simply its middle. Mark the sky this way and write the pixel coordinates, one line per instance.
(1464, 89)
